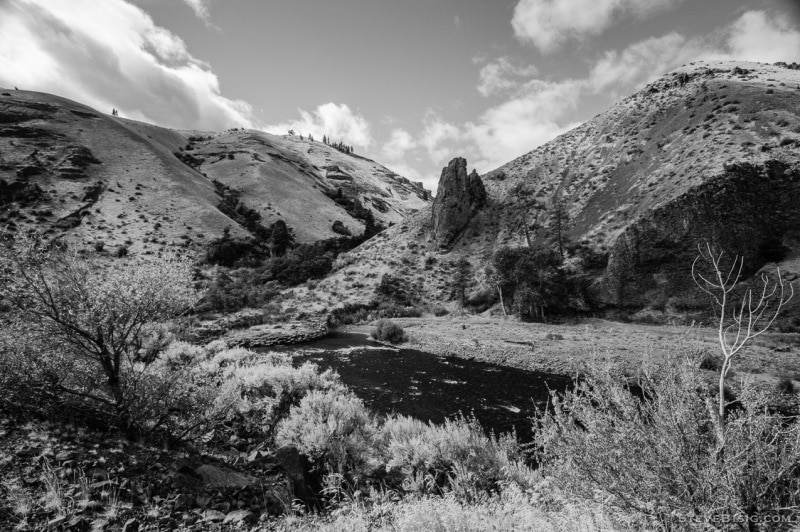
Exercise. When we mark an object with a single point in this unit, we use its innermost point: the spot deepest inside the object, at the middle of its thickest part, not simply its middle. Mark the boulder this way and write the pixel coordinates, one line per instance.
(460, 196)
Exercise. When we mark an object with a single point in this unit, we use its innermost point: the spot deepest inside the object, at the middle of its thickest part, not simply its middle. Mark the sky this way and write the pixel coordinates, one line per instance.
(409, 83)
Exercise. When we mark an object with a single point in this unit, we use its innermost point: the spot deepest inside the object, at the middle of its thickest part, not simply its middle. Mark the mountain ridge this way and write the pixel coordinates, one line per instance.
(71, 172)
(689, 134)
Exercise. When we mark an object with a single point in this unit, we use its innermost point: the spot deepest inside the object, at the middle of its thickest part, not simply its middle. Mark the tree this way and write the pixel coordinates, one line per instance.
(280, 240)
(496, 279)
(737, 323)
(560, 220)
(539, 282)
(102, 320)
(462, 279)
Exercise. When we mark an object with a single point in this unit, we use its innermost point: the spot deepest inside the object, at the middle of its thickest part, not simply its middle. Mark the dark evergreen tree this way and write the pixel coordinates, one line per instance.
(280, 240)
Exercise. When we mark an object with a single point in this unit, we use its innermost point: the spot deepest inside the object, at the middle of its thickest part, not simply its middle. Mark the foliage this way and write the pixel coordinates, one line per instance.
(510, 511)
(229, 251)
(232, 291)
(336, 431)
(333, 429)
(440, 311)
(93, 323)
(388, 331)
(532, 277)
(396, 290)
(654, 453)
(425, 457)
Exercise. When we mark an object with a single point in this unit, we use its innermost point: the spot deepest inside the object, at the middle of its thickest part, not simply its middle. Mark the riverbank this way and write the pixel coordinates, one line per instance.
(567, 349)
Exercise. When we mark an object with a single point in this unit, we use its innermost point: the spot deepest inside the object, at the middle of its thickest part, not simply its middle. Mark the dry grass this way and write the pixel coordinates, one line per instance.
(566, 349)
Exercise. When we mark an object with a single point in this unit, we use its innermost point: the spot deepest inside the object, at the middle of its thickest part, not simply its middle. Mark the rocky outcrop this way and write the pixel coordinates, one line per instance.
(748, 211)
(459, 197)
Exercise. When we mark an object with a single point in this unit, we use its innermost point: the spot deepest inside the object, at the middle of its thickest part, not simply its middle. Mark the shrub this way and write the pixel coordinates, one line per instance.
(92, 323)
(428, 458)
(786, 386)
(440, 311)
(391, 310)
(388, 331)
(658, 456)
(710, 362)
(338, 227)
(190, 389)
(333, 428)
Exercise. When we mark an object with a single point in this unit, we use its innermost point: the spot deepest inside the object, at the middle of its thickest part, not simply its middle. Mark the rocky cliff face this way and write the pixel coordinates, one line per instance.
(459, 197)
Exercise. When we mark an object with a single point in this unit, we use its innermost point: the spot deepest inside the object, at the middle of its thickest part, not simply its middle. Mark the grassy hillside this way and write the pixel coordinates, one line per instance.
(100, 181)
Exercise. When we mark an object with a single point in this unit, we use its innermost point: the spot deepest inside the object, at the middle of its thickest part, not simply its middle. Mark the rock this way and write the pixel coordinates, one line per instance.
(460, 196)
(213, 515)
(237, 516)
(219, 477)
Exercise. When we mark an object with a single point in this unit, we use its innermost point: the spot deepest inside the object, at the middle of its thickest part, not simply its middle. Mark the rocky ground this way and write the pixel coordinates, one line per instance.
(62, 477)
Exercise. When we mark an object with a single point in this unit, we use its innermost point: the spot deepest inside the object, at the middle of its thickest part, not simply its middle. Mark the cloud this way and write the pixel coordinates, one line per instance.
(397, 145)
(110, 53)
(754, 36)
(759, 36)
(337, 121)
(439, 138)
(201, 9)
(533, 117)
(502, 76)
(548, 24)
(642, 62)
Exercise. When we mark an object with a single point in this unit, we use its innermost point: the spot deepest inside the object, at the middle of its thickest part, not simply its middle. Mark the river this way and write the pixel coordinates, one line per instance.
(428, 387)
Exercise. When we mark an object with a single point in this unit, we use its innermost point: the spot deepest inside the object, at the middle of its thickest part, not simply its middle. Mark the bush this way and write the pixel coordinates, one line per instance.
(457, 455)
(440, 311)
(710, 362)
(388, 331)
(333, 428)
(190, 390)
(658, 456)
(786, 386)
(90, 323)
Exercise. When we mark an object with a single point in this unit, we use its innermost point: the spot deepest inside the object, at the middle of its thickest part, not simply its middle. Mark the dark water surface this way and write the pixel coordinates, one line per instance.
(432, 388)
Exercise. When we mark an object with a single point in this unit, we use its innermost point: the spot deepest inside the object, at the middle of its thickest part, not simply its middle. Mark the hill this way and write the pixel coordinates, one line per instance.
(708, 152)
(74, 173)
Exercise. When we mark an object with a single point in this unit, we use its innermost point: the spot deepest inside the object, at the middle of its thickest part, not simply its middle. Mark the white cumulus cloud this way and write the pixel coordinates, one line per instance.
(337, 121)
(110, 53)
(754, 36)
(533, 117)
(761, 36)
(503, 76)
(548, 24)
(398, 144)
(439, 138)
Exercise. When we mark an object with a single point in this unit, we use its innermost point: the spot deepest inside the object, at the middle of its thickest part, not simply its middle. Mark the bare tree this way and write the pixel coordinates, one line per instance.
(738, 322)
(104, 317)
